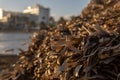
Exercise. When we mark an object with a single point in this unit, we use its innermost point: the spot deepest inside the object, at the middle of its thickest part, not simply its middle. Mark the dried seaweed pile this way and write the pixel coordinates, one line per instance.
(85, 48)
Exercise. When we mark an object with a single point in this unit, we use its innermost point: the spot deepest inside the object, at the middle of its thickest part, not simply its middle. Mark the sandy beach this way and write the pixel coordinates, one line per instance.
(7, 61)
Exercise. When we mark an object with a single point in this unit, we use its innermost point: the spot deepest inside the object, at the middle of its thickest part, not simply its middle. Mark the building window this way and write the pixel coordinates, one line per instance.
(43, 17)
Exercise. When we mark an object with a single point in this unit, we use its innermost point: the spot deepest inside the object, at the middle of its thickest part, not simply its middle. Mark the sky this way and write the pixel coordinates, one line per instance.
(58, 8)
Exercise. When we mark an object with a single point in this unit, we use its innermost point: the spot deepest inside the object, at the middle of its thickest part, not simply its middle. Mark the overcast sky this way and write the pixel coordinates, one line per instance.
(58, 8)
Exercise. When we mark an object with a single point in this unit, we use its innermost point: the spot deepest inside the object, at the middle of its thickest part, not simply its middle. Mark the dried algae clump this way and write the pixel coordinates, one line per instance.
(84, 48)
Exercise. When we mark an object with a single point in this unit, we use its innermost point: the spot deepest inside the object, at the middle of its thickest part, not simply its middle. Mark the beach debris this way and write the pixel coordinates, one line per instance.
(84, 48)
(9, 50)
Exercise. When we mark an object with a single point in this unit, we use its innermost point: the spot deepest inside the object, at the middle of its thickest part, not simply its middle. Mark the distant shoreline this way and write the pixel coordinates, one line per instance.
(17, 31)
(6, 60)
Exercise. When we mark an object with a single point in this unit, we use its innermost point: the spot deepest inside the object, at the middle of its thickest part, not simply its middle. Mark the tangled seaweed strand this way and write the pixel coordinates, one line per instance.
(84, 48)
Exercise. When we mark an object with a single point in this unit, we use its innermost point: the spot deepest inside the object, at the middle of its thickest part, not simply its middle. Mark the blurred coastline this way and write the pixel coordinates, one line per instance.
(11, 42)
(7, 60)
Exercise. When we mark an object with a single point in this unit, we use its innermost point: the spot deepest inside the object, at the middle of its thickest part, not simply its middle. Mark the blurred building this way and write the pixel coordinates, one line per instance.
(15, 20)
(36, 13)
(41, 13)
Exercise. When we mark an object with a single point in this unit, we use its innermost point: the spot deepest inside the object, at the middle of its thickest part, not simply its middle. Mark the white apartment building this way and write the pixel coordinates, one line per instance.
(35, 13)
(1, 13)
(41, 13)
